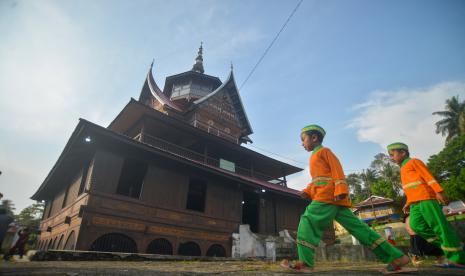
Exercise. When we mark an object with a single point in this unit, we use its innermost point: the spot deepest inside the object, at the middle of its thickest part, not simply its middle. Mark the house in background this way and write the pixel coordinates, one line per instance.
(376, 209)
(454, 208)
(169, 175)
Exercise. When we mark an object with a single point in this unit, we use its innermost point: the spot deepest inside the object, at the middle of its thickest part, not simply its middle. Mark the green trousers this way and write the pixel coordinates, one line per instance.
(428, 221)
(319, 216)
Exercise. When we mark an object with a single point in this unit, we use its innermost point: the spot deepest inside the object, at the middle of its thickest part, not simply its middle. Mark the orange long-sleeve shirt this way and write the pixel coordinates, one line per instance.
(328, 180)
(417, 182)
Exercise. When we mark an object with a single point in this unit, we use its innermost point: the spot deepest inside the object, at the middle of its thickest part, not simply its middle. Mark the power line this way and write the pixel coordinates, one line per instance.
(271, 44)
(295, 161)
(284, 157)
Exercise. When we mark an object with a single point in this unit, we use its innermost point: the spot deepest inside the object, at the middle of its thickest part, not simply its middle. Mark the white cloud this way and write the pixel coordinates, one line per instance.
(42, 65)
(405, 115)
(40, 73)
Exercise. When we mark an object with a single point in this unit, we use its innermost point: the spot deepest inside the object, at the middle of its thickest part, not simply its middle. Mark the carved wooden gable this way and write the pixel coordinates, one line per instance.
(218, 112)
(222, 110)
(152, 96)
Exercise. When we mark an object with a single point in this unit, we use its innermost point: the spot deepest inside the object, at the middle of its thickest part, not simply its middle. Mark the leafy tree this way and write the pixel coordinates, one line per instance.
(357, 190)
(448, 166)
(455, 186)
(385, 189)
(31, 215)
(380, 162)
(450, 161)
(453, 123)
(9, 207)
(382, 178)
(388, 174)
(369, 176)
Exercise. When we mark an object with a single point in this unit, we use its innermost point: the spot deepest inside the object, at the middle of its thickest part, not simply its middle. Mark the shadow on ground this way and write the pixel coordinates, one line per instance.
(195, 268)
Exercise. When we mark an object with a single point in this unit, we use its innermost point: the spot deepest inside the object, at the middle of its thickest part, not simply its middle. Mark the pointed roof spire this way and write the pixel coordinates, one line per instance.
(198, 66)
(232, 67)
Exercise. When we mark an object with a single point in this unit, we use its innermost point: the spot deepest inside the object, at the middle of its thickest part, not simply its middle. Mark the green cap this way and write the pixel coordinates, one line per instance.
(397, 146)
(314, 127)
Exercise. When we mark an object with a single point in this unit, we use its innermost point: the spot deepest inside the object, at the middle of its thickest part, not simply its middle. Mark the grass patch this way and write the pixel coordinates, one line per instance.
(456, 217)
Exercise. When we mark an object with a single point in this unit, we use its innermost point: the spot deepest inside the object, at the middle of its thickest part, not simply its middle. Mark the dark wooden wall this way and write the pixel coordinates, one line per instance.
(162, 203)
(167, 188)
(106, 172)
(73, 189)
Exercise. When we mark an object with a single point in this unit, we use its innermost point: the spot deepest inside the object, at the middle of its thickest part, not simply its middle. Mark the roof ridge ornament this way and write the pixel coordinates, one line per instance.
(198, 66)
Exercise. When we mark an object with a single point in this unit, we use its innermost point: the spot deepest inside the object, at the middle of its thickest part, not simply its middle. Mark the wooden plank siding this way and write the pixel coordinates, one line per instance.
(57, 203)
(160, 206)
(167, 189)
(106, 171)
(164, 188)
(73, 189)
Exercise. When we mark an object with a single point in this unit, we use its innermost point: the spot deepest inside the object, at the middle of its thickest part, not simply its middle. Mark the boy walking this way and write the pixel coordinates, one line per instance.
(423, 193)
(419, 247)
(330, 201)
(19, 245)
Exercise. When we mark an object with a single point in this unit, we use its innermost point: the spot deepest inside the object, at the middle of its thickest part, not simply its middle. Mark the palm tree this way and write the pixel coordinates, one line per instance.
(387, 170)
(369, 176)
(355, 185)
(453, 124)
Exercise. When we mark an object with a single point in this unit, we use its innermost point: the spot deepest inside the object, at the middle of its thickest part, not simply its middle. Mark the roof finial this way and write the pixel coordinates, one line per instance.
(198, 66)
(151, 65)
(232, 67)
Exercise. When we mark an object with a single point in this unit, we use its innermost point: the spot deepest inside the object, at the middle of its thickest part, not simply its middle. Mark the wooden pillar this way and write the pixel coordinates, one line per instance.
(142, 131)
(275, 222)
(205, 154)
(284, 177)
(251, 169)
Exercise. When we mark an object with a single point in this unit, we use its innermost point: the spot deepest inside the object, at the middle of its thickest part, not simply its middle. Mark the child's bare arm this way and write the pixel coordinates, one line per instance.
(406, 209)
(441, 197)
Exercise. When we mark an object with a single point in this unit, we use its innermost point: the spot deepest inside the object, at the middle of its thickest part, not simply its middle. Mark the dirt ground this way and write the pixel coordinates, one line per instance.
(23, 267)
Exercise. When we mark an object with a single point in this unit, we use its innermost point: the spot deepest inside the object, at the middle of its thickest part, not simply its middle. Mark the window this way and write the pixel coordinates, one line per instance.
(85, 171)
(196, 195)
(114, 242)
(216, 250)
(189, 249)
(160, 246)
(47, 209)
(131, 179)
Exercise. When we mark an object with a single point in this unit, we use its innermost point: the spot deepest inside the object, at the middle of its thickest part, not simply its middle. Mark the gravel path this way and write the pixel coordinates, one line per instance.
(195, 268)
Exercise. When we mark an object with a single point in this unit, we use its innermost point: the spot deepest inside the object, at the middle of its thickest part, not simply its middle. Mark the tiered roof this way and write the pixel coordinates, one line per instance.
(154, 97)
(77, 146)
(158, 105)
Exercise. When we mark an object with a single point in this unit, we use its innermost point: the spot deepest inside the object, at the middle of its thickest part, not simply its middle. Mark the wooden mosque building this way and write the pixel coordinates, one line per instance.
(167, 176)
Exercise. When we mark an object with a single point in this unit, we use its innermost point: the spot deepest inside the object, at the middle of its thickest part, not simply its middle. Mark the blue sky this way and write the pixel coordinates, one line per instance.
(369, 72)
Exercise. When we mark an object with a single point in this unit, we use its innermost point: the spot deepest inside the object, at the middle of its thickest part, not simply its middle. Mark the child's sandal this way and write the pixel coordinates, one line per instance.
(395, 269)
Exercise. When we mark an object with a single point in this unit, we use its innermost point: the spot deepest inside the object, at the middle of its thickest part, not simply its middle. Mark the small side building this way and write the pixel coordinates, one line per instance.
(376, 209)
(454, 208)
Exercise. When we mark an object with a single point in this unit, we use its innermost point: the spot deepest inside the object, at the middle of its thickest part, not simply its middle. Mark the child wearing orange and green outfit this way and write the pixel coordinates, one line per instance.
(329, 193)
(423, 193)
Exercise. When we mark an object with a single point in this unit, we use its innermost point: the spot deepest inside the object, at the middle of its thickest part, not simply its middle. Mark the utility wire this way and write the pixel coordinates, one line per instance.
(284, 157)
(271, 44)
(295, 161)
(258, 63)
